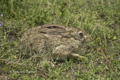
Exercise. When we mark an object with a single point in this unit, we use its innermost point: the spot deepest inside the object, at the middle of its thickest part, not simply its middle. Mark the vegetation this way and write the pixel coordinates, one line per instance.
(99, 18)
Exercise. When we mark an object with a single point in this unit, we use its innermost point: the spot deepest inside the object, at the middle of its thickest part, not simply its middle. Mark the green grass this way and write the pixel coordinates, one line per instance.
(99, 18)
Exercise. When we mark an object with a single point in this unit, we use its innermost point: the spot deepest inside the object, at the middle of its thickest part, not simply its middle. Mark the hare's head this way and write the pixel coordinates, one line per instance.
(78, 34)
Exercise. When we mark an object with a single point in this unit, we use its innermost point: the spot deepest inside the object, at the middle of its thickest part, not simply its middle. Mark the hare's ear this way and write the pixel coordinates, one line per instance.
(81, 34)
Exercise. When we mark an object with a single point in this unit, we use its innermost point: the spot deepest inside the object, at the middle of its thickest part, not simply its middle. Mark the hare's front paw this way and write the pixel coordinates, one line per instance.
(78, 57)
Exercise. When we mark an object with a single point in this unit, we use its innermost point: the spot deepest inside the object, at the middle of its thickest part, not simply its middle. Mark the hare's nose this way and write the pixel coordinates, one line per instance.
(87, 39)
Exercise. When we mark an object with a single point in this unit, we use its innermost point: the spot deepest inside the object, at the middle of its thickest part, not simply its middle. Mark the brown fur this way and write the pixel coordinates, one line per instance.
(54, 41)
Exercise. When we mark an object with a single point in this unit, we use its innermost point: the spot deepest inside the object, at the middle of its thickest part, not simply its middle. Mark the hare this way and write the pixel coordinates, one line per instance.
(55, 42)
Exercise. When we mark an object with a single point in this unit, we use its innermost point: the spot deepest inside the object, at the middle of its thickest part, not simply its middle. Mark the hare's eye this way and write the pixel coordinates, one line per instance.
(81, 34)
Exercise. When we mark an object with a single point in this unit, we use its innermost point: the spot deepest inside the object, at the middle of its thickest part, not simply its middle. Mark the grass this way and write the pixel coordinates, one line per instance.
(99, 18)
